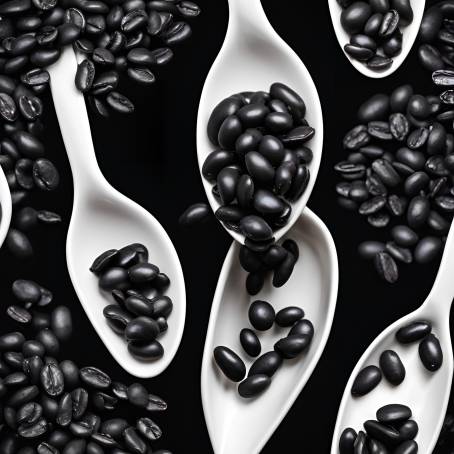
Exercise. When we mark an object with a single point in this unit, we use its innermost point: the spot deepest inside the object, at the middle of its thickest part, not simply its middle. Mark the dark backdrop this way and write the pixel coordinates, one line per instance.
(150, 156)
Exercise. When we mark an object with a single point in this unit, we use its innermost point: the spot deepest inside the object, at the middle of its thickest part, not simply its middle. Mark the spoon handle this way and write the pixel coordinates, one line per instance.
(72, 117)
(442, 293)
(246, 16)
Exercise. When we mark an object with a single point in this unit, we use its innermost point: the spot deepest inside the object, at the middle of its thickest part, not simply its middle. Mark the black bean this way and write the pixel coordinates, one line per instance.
(52, 379)
(95, 378)
(138, 395)
(399, 253)
(355, 16)
(142, 329)
(427, 249)
(386, 267)
(119, 102)
(254, 385)
(392, 368)
(162, 306)
(227, 180)
(250, 342)
(347, 441)
(292, 345)
(230, 363)
(289, 316)
(85, 75)
(389, 24)
(255, 228)
(372, 205)
(386, 172)
(431, 353)
(22, 396)
(8, 108)
(65, 410)
(413, 332)
(224, 109)
(61, 323)
(290, 98)
(146, 350)
(19, 314)
(366, 380)
(375, 108)
(381, 432)
(393, 413)
(261, 315)
(114, 278)
(379, 63)
(115, 427)
(70, 373)
(408, 430)
(407, 447)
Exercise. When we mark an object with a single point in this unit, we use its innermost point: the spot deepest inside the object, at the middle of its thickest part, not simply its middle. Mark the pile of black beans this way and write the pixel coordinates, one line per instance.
(116, 37)
(436, 36)
(141, 309)
(31, 309)
(278, 259)
(391, 365)
(374, 29)
(393, 431)
(399, 176)
(262, 318)
(260, 165)
(22, 155)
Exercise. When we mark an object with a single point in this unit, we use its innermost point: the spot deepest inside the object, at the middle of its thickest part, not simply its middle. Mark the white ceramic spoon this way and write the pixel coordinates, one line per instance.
(253, 57)
(102, 219)
(426, 393)
(243, 426)
(409, 32)
(6, 207)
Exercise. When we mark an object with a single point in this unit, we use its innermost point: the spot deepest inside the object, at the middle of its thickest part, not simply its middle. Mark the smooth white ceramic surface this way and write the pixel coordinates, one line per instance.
(102, 219)
(243, 426)
(426, 393)
(409, 33)
(6, 207)
(253, 57)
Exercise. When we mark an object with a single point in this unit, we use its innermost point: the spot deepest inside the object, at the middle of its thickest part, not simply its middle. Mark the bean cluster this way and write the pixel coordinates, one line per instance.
(436, 36)
(141, 310)
(262, 318)
(22, 155)
(374, 29)
(115, 36)
(50, 406)
(278, 259)
(398, 173)
(260, 165)
(391, 366)
(393, 431)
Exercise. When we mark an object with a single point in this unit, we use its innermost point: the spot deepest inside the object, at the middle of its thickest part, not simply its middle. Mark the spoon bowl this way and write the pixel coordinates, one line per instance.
(409, 35)
(253, 57)
(426, 393)
(243, 426)
(103, 219)
(5, 207)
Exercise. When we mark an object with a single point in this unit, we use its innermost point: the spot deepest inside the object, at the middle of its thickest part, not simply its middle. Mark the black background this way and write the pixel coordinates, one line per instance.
(150, 156)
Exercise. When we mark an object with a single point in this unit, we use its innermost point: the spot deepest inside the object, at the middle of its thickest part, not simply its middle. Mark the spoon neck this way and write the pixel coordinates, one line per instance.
(245, 14)
(72, 117)
(442, 293)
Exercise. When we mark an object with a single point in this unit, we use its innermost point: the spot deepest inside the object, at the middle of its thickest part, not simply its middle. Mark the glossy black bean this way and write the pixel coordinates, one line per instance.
(119, 102)
(224, 109)
(138, 395)
(284, 271)
(95, 378)
(261, 315)
(369, 249)
(70, 373)
(289, 316)
(393, 414)
(347, 441)
(285, 94)
(142, 329)
(375, 108)
(230, 363)
(227, 180)
(386, 267)
(386, 172)
(61, 323)
(366, 380)
(114, 278)
(146, 350)
(162, 306)
(427, 249)
(293, 345)
(431, 353)
(382, 432)
(399, 253)
(250, 342)
(389, 24)
(376, 447)
(408, 430)
(255, 228)
(115, 427)
(254, 385)
(413, 332)
(407, 447)
(355, 16)
(392, 46)
(379, 63)
(274, 256)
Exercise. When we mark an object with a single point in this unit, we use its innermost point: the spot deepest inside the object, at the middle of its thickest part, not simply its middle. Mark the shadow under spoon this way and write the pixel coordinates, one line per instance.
(252, 58)
(426, 393)
(243, 426)
(103, 218)
(409, 35)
